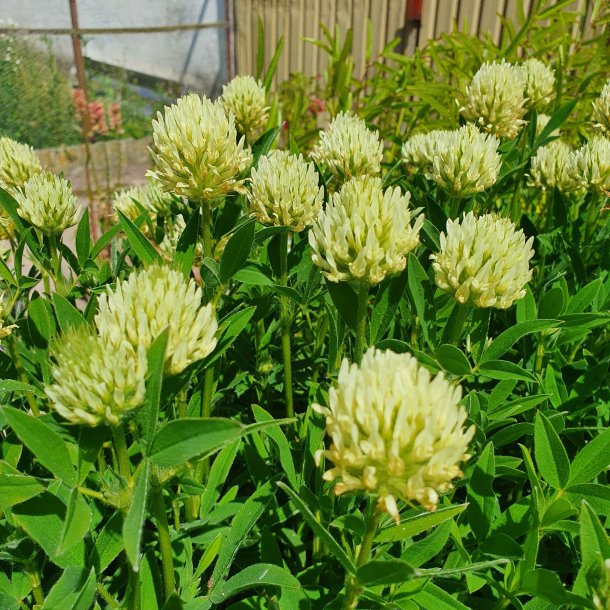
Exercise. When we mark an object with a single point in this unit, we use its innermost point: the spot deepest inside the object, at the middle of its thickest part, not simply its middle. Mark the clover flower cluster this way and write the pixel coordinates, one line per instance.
(348, 149)
(47, 202)
(418, 151)
(539, 84)
(496, 99)
(364, 233)
(397, 432)
(554, 165)
(18, 163)
(196, 152)
(246, 99)
(141, 307)
(5, 330)
(284, 191)
(483, 261)
(601, 110)
(593, 164)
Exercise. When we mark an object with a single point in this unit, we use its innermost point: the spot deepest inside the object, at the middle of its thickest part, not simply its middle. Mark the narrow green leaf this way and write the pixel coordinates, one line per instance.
(273, 64)
(420, 523)
(75, 589)
(39, 320)
(218, 477)
(592, 459)
(344, 299)
(149, 413)
(104, 240)
(77, 522)
(108, 544)
(546, 584)
(48, 447)
(16, 488)
(137, 240)
(384, 572)
(67, 314)
(229, 329)
(333, 547)
(453, 359)
(83, 238)
(419, 287)
(136, 515)
(237, 251)
(551, 457)
(504, 341)
(12, 385)
(253, 577)
(386, 304)
(187, 245)
(180, 441)
(435, 598)
(503, 369)
(482, 500)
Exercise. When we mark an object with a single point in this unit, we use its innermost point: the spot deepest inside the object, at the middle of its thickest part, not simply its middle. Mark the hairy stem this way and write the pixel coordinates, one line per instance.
(362, 308)
(286, 323)
(165, 544)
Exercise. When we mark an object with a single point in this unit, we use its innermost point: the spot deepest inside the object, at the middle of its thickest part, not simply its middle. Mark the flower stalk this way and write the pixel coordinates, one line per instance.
(286, 323)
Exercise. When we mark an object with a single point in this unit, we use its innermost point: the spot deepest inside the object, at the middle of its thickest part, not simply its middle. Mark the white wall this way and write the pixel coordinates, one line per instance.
(162, 55)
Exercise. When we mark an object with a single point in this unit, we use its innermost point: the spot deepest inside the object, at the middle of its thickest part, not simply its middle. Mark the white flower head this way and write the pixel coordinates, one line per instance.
(195, 150)
(554, 165)
(495, 99)
(593, 163)
(483, 261)
(465, 161)
(47, 201)
(418, 150)
(18, 163)
(364, 233)
(141, 307)
(348, 149)
(539, 84)
(246, 99)
(397, 432)
(284, 191)
(96, 381)
(601, 110)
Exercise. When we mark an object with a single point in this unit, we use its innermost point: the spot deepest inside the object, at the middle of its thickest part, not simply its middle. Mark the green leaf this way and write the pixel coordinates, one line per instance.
(435, 598)
(83, 238)
(180, 441)
(281, 442)
(237, 251)
(503, 369)
(48, 447)
(75, 590)
(551, 457)
(263, 145)
(546, 584)
(594, 542)
(136, 515)
(242, 523)
(592, 459)
(138, 242)
(557, 119)
(149, 413)
(333, 547)
(6, 275)
(16, 488)
(419, 285)
(386, 304)
(67, 314)
(482, 500)
(504, 341)
(108, 544)
(253, 275)
(273, 64)
(344, 299)
(253, 577)
(39, 320)
(104, 240)
(453, 359)
(384, 572)
(552, 303)
(187, 245)
(76, 523)
(584, 297)
(12, 385)
(229, 329)
(420, 523)
(218, 477)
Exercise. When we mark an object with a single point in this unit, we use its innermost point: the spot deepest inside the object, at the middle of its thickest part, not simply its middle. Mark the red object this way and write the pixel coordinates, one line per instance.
(115, 118)
(414, 10)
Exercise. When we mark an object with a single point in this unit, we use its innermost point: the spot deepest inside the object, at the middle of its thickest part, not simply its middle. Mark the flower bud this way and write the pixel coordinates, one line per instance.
(246, 99)
(539, 84)
(553, 166)
(593, 163)
(18, 163)
(601, 110)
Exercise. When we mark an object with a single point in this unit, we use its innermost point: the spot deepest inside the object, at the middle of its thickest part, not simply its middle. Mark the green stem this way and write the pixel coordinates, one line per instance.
(165, 544)
(363, 301)
(454, 207)
(206, 212)
(592, 216)
(206, 411)
(16, 358)
(103, 593)
(34, 578)
(286, 323)
(354, 590)
(120, 448)
(455, 323)
(539, 356)
(136, 597)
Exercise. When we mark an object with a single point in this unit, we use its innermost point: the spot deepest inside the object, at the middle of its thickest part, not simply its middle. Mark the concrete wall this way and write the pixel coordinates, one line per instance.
(162, 54)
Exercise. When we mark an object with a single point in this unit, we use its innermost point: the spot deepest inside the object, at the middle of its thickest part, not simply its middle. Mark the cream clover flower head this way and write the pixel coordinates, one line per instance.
(245, 97)
(601, 110)
(5, 331)
(465, 161)
(418, 151)
(593, 163)
(96, 381)
(539, 83)
(483, 261)
(18, 163)
(495, 99)
(195, 150)
(364, 233)
(397, 432)
(125, 200)
(284, 191)
(47, 202)
(554, 165)
(348, 149)
(141, 307)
